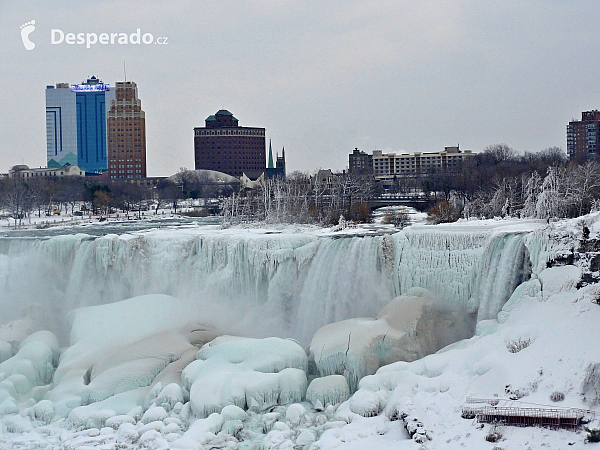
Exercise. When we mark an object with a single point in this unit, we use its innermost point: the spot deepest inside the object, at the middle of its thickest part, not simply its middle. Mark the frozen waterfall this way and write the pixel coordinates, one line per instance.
(259, 283)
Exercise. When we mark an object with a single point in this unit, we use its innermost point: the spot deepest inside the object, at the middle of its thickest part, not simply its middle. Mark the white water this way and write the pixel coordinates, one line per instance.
(261, 284)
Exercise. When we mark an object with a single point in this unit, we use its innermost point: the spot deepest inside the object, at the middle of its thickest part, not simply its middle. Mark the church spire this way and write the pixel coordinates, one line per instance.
(270, 166)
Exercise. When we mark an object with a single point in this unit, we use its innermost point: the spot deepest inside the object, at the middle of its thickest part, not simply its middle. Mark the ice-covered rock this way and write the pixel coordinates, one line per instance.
(364, 403)
(408, 328)
(233, 412)
(44, 411)
(48, 338)
(306, 437)
(120, 351)
(153, 414)
(201, 432)
(35, 354)
(328, 390)
(8, 406)
(97, 419)
(157, 425)
(295, 414)
(555, 280)
(5, 351)
(232, 427)
(116, 421)
(127, 433)
(152, 439)
(17, 424)
(169, 396)
(249, 373)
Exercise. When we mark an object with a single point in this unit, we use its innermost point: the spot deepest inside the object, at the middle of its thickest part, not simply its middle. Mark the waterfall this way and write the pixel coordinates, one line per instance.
(264, 284)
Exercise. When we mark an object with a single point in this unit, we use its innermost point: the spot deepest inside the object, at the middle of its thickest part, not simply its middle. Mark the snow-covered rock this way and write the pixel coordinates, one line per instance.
(328, 390)
(408, 328)
(250, 373)
(120, 351)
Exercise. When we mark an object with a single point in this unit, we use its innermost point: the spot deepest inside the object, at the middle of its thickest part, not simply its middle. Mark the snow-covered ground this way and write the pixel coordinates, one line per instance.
(147, 361)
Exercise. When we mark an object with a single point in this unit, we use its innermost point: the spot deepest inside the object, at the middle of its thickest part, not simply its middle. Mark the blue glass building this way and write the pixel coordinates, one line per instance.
(76, 124)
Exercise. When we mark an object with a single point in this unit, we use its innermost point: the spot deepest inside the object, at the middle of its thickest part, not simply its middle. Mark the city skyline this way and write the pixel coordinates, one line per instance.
(321, 78)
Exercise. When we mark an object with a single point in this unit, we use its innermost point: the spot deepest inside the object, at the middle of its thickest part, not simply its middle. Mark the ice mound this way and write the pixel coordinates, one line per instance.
(329, 390)
(249, 373)
(120, 351)
(16, 331)
(408, 328)
(5, 351)
(25, 377)
(31, 366)
(558, 279)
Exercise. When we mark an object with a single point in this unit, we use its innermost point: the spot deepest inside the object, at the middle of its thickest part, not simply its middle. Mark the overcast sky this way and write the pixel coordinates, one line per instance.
(322, 77)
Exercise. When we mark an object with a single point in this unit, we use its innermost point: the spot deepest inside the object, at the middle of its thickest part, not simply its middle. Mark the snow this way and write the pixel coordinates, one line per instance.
(249, 373)
(150, 372)
(327, 390)
(121, 350)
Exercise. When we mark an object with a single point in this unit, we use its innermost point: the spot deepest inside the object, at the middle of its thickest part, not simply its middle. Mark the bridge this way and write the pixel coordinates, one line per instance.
(417, 202)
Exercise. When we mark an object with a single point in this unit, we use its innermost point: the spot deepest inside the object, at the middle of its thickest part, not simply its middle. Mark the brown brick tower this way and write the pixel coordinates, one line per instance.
(224, 146)
(126, 126)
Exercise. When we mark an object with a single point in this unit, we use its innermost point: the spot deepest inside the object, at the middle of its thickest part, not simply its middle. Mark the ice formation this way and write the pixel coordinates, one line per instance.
(120, 351)
(146, 372)
(327, 390)
(292, 284)
(406, 329)
(249, 373)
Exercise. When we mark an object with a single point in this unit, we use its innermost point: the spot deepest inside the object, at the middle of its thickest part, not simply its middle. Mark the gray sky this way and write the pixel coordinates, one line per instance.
(322, 77)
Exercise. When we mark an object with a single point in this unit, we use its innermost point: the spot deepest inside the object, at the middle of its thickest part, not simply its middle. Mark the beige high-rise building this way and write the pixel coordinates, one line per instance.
(126, 124)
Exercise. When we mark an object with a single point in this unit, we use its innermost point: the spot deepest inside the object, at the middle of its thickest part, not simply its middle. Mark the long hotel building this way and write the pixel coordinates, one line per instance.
(390, 165)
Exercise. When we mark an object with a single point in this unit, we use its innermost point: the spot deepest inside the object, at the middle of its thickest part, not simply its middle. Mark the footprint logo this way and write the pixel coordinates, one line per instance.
(26, 30)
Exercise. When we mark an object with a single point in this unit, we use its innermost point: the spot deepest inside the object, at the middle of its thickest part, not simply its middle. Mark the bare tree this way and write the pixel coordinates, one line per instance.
(586, 182)
(499, 153)
(16, 199)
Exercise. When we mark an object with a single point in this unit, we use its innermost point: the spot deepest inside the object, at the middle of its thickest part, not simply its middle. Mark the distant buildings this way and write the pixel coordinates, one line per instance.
(126, 125)
(224, 146)
(23, 171)
(583, 136)
(387, 166)
(76, 124)
(360, 162)
(277, 169)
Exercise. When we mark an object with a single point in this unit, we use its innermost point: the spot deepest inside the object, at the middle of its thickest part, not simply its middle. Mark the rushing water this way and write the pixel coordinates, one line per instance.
(255, 282)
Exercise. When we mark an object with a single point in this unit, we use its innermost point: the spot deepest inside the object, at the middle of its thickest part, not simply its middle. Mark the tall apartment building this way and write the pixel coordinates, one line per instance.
(386, 166)
(224, 146)
(583, 136)
(126, 125)
(360, 162)
(76, 124)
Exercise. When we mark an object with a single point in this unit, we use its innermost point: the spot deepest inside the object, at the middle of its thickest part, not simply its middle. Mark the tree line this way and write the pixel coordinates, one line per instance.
(301, 198)
(45, 196)
(497, 182)
(501, 183)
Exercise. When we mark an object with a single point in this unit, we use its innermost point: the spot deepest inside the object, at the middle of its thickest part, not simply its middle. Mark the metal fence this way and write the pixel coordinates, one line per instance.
(522, 414)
